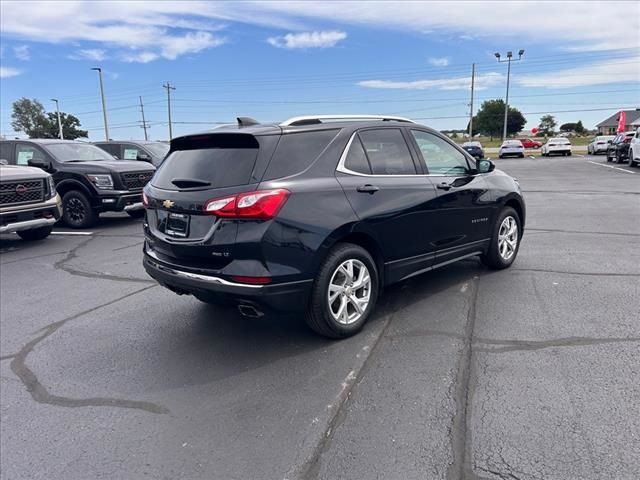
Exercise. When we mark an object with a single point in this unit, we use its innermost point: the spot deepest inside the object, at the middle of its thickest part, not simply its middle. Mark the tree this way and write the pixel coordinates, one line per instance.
(28, 116)
(547, 124)
(70, 125)
(490, 119)
(579, 128)
(568, 127)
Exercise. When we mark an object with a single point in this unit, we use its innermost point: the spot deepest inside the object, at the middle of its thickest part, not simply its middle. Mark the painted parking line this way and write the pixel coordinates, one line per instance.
(71, 233)
(611, 166)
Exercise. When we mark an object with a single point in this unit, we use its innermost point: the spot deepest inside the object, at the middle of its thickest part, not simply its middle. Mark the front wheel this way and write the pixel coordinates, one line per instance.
(77, 211)
(344, 293)
(35, 233)
(505, 240)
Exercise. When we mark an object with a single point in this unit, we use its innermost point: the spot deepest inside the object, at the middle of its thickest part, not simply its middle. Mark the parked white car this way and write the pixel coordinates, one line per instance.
(511, 148)
(599, 144)
(634, 149)
(558, 145)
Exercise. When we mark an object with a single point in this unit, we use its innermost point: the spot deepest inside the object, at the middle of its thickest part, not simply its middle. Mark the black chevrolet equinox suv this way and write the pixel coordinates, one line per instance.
(318, 214)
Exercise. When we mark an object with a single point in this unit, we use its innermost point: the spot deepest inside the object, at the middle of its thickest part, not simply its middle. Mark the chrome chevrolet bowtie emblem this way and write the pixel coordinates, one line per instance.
(168, 204)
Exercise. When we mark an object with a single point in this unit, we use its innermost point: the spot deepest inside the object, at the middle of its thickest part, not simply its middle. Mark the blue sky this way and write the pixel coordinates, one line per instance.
(273, 60)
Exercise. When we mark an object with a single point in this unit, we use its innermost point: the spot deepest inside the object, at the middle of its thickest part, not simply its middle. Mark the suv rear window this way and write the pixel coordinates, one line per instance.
(211, 161)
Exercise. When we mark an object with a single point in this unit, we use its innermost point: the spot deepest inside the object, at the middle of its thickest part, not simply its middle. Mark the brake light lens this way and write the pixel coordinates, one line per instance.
(261, 204)
(145, 200)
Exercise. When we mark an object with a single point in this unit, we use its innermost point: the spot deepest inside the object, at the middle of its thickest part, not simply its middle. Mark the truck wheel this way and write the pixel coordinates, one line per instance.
(35, 233)
(344, 293)
(77, 211)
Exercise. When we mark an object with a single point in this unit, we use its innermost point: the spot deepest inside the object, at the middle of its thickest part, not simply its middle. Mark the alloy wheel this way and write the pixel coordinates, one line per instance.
(508, 238)
(75, 210)
(349, 291)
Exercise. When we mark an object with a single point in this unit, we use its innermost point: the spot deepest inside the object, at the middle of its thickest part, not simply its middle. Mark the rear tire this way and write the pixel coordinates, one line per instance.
(349, 275)
(504, 247)
(77, 211)
(35, 233)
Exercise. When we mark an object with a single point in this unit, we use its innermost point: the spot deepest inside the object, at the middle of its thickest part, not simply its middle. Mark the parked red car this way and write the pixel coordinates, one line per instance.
(528, 143)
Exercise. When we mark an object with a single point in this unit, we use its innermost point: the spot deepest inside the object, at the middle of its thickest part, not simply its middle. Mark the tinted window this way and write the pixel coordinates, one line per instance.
(25, 152)
(439, 156)
(297, 151)
(211, 161)
(158, 150)
(387, 152)
(111, 148)
(356, 160)
(6, 151)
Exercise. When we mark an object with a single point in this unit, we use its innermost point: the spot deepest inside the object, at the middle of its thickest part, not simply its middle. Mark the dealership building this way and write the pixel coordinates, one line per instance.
(610, 125)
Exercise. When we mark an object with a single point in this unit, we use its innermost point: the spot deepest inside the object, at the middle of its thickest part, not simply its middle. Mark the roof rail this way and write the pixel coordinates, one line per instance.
(314, 119)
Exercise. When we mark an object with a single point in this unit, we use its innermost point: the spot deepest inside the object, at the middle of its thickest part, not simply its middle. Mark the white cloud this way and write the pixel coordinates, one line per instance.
(308, 39)
(94, 54)
(439, 62)
(192, 42)
(6, 72)
(482, 82)
(140, 57)
(21, 52)
(601, 73)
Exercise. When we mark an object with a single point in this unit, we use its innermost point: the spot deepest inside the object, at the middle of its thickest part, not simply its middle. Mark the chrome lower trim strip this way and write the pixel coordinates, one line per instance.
(27, 225)
(134, 206)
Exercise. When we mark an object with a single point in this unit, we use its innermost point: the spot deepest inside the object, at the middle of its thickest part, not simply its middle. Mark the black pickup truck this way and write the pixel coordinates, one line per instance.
(88, 179)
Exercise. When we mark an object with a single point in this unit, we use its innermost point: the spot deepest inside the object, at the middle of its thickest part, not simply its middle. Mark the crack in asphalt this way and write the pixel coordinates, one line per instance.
(34, 257)
(310, 469)
(64, 265)
(589, 274)
(7, 357)
(553, 230)
(40, 394)
(460, 434)
(532, 345)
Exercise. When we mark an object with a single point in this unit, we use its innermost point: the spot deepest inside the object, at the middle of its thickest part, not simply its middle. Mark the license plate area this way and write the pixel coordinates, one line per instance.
(177, 225)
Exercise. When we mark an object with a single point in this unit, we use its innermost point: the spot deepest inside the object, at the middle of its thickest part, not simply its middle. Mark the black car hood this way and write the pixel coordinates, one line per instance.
(108, 166)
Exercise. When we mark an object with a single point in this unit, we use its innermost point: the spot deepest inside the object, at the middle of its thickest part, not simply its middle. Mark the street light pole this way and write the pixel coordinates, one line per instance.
(506, 103)
(104, 104)
(59, 122)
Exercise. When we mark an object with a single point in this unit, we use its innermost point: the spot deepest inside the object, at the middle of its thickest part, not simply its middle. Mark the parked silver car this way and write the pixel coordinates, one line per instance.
(634, 149)
(599, 144)
(511, 148)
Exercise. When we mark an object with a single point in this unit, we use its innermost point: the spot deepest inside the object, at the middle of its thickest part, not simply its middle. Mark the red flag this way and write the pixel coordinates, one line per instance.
(622, 120)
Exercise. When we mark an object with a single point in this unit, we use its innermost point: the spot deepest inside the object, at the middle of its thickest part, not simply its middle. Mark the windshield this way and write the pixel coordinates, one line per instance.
(68, 152)
(159, 150)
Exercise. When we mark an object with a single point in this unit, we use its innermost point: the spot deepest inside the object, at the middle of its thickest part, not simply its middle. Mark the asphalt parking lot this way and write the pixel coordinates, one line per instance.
(527, 373)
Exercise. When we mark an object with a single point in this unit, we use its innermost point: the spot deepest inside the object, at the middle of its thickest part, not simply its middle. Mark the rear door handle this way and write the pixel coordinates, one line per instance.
(371, 189)
(443, 186)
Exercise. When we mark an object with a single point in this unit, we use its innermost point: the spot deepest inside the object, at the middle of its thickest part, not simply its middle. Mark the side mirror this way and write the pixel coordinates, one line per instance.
(143, 157)
(4, 162)
(38, 162)
(486, 166)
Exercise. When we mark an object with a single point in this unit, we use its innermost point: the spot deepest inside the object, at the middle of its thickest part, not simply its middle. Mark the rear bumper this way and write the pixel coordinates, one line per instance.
(30, 217)
(283, 297)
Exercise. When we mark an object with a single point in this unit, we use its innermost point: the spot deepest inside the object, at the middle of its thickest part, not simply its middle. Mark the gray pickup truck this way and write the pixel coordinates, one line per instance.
(29, 203)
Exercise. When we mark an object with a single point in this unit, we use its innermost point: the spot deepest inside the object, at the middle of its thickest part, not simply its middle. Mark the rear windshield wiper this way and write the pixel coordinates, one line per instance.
(189, 183)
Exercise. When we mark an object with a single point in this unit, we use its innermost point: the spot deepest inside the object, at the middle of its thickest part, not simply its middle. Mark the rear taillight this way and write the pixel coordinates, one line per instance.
(145, 200)
(628, 140)
(251, 280)
(261, 204)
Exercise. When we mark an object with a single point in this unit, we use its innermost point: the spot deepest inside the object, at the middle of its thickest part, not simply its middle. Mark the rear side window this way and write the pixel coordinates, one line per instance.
(112, 148)
(297, 151)
(387, 152)
(356, 160)
(210, 161)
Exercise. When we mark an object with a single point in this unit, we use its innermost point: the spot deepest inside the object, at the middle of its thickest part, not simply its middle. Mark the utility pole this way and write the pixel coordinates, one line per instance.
(104, 104)
(144, 123)
(169, 88)
(473, 78)
(506, 103)
(59, 121)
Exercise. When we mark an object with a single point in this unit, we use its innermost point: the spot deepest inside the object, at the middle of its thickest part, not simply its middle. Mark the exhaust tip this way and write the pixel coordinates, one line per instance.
(249, 311)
